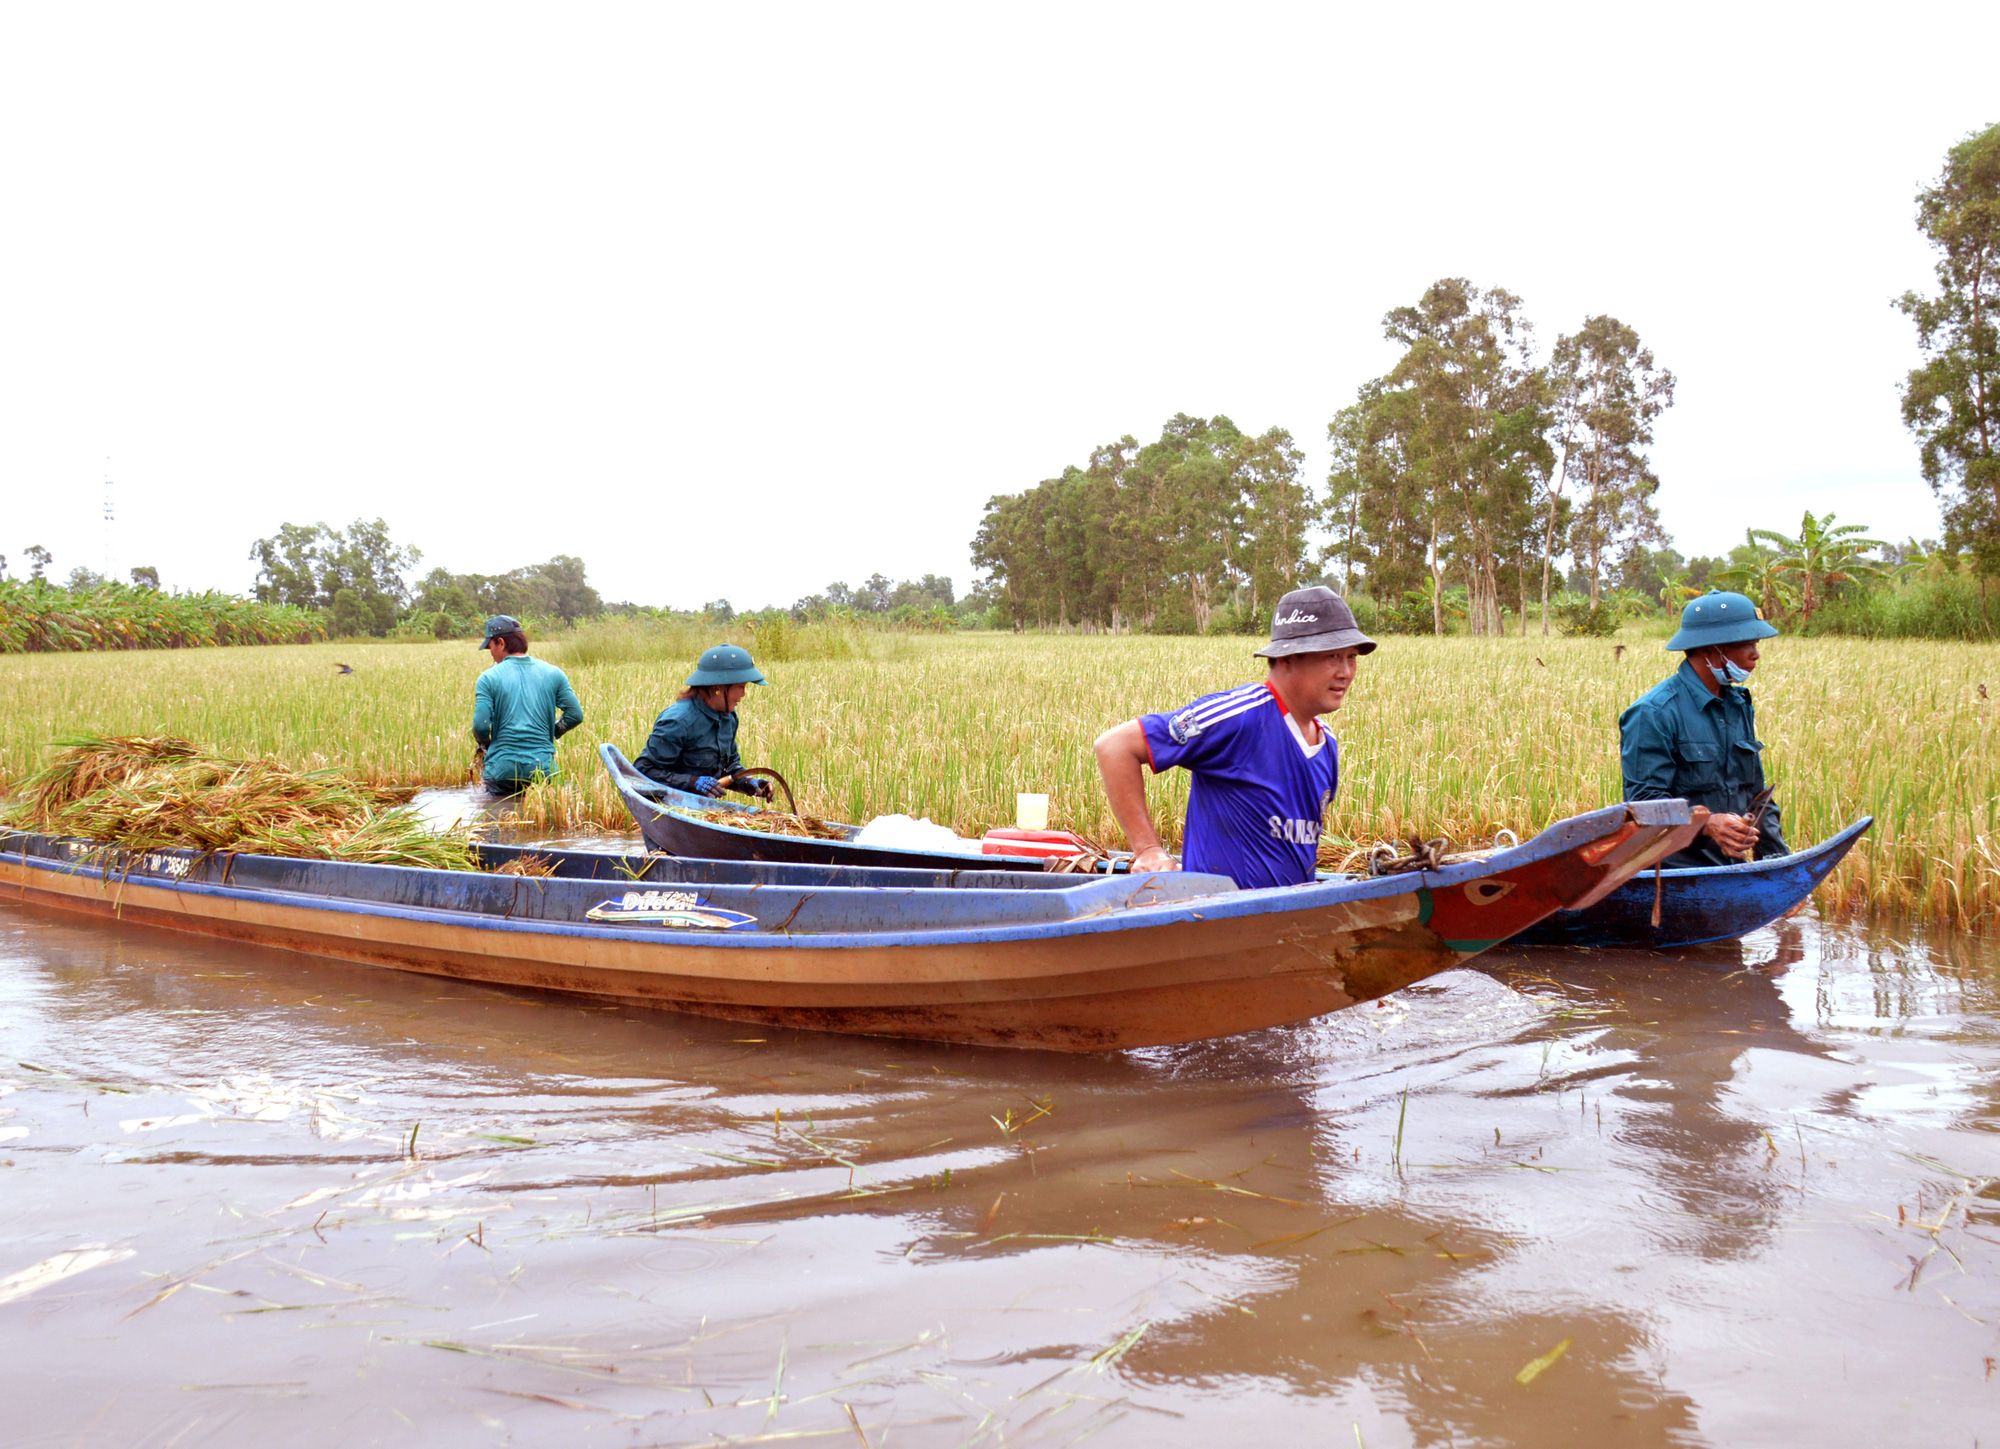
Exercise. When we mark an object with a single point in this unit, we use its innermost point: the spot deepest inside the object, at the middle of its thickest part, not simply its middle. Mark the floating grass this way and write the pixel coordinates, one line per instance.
(154, 792)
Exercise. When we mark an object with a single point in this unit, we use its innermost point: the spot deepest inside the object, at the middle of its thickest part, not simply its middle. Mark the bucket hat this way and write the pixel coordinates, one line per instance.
(1313, 621)
(1719, 618)
(497, 625)
(725, 664)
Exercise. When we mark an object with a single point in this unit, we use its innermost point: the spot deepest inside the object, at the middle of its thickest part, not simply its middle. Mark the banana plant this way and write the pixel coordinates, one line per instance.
(1823, 556)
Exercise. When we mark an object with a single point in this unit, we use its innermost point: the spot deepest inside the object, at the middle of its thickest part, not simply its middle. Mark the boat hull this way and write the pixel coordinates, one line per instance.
(1108, 964)
(1708, 903)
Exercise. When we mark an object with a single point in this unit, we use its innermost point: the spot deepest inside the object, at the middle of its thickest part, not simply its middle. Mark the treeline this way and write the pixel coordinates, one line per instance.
(1479, 482)
(1471, 466)
(1159, 537)
(357, 578)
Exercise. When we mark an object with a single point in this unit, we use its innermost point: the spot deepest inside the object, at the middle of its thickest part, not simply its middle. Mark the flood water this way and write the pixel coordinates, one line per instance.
(248, 1197)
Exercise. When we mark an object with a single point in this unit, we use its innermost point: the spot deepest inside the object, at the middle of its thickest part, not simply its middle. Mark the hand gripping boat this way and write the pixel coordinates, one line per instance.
(1075, 963)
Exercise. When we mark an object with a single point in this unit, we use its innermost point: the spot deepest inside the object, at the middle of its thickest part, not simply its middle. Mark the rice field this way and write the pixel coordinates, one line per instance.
(1456, 736)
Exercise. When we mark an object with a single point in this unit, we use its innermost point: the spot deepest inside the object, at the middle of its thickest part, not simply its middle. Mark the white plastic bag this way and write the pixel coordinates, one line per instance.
(900, 832)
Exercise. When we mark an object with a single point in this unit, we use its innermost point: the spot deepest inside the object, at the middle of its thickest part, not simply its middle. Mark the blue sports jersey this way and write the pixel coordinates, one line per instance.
(1259, 790)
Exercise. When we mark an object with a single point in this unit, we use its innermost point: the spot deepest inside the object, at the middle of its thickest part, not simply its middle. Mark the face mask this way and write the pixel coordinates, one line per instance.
(1728, 671)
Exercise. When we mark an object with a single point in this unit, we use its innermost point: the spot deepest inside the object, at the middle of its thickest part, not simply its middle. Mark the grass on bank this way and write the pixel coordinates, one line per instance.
(1449, 736)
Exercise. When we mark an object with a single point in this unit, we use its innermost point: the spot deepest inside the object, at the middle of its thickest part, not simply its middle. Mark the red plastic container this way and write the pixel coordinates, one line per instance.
(1032, 842)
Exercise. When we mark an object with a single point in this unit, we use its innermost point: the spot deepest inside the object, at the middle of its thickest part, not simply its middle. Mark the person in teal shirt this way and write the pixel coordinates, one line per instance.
(1693, 736)
(693, 744)
(521, 707)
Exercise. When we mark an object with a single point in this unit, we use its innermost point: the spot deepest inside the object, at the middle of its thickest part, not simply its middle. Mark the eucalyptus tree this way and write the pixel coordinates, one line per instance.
(1279, 512)
(1474, 438)
(1952, 401)
(1606, 392)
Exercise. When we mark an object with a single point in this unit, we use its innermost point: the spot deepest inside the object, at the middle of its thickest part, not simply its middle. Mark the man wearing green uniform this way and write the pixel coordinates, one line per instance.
(1694, 735)
(521, 707)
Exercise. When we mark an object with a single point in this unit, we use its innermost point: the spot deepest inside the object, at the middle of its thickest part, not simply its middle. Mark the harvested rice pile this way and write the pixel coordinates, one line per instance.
(771, 822)
(153, 792)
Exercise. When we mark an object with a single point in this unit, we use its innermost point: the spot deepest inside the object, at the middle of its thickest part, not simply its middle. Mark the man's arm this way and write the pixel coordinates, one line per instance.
(663, 750)
(1122, 759)
(1645, 756)
(569, 713)
(482, 714)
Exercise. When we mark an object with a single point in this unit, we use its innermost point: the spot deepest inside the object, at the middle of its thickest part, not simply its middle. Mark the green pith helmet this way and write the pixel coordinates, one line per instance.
(1719, 618)
(725, 664)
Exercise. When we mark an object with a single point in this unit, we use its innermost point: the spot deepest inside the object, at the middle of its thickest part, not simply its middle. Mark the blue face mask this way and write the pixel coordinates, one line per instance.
(1728, 671)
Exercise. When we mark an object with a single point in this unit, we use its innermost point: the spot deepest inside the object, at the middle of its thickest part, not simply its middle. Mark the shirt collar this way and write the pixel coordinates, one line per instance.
(1697, 692)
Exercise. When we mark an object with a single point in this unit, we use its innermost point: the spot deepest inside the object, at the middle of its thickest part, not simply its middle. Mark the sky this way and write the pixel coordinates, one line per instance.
(735, 301)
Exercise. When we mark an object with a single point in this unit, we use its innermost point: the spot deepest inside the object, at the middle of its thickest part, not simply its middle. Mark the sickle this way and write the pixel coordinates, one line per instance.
(792, 805)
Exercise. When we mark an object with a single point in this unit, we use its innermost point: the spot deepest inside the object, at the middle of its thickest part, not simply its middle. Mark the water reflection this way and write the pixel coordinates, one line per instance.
(360, 1206)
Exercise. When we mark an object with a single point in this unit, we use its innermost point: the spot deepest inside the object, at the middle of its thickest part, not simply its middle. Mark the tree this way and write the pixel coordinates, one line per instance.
(146, 577)
(41, 558)
(1606, 394)
(1952, 401)
(1821, 559)
(1162, 535)
(1437, 462)
(83, 580)
(1757, 571)
(311, 565)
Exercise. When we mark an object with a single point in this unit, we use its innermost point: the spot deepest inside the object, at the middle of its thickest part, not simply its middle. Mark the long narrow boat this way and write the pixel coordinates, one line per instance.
(671, 821)
(1700, 904)
(999, 958)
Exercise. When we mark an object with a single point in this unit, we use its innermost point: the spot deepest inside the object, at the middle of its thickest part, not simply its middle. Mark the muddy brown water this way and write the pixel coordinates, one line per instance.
(248, 1197)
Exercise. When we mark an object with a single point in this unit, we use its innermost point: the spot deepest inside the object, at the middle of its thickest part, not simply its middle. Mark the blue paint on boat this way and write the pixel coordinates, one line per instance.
(1706, 903)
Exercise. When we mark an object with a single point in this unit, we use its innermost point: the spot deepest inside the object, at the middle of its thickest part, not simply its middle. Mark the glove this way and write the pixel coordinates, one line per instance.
(707, 785)
(760, 788)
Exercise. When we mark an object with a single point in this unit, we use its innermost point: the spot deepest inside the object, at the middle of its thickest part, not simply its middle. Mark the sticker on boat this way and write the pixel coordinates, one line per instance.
(684, 909)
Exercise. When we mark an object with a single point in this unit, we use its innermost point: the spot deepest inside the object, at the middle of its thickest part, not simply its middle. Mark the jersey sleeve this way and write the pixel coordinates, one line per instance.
(1200, 734)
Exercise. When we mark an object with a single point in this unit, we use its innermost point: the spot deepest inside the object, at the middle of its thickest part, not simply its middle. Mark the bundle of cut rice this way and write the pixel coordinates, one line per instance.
(153, 792)
(770, 822)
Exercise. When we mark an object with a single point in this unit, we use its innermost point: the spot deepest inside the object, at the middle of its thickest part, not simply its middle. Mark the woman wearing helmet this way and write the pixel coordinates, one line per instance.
(693, 744)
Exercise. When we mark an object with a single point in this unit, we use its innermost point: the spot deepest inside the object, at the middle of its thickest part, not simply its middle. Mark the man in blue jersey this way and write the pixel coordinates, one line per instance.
(1264, 769)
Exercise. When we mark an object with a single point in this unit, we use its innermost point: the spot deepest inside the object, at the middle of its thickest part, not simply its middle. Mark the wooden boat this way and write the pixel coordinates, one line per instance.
(666, 818)
(1700, 904)
(1000, 958)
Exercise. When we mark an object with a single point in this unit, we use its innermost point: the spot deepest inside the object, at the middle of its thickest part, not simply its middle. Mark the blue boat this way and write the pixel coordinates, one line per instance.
(1697, 905)
(673, 821)
(999, 958)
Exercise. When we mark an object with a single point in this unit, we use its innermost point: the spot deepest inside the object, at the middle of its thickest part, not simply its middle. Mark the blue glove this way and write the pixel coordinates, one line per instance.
(760, 788)
(707, 785)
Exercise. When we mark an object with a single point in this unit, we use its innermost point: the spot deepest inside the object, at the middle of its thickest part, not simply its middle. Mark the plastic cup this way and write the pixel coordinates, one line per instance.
(1031, 812)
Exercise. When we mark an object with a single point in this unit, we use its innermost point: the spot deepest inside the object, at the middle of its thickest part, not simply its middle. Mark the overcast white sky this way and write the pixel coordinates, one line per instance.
(732, 301)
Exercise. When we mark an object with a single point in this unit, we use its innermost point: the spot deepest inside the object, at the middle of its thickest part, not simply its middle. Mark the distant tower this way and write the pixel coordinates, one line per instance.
(110, 517)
